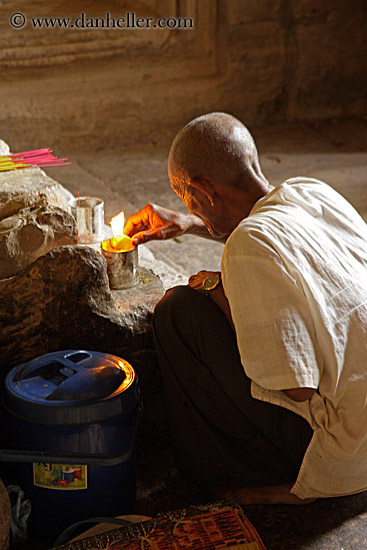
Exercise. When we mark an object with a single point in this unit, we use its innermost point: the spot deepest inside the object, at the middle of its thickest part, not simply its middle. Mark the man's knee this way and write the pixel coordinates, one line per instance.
(172, 304)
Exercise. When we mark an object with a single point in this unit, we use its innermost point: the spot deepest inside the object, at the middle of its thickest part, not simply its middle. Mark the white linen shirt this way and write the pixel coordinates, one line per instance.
(295, 275)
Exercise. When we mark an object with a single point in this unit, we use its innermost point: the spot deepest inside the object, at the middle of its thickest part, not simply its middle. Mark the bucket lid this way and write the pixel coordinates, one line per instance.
(71, 387)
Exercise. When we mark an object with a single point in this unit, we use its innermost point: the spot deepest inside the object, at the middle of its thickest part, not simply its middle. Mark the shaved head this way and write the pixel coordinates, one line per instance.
(213, 166)
(216, 146)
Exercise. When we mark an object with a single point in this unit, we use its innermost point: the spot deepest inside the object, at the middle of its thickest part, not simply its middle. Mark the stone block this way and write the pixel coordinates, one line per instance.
(30, 187)
(63, 301)
(34, 217)
(32, 232)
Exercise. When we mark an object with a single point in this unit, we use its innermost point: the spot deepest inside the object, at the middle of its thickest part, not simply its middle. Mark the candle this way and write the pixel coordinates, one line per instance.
(122, 243)
(121, 256)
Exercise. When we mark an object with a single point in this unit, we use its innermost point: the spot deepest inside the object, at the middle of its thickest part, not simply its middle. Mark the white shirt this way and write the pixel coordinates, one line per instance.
(295, 275)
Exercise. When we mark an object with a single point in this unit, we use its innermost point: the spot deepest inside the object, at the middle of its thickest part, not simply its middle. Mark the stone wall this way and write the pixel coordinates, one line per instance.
(265, 62)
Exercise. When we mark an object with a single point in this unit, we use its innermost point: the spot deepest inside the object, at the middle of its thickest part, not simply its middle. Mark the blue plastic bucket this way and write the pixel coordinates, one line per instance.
(72, 418)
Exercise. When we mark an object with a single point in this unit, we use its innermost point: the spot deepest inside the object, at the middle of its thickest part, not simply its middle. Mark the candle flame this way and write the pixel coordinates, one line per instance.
(117, 224)
(119, 242)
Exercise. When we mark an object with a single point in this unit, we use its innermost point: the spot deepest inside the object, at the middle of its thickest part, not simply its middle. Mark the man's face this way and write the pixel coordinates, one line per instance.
(198, 203)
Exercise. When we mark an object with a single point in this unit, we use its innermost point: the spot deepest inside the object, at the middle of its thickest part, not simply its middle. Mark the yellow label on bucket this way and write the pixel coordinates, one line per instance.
(69, 477)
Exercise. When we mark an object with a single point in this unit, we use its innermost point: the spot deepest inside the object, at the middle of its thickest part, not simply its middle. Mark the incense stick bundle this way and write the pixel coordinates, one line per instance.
(37, 157)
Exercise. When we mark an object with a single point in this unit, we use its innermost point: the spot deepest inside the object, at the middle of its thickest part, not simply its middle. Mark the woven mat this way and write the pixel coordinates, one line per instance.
(210, 527)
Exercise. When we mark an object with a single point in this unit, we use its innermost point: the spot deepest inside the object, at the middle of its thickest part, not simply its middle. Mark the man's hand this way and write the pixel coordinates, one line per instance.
(154, 222)
(217, 294)
(196, 281)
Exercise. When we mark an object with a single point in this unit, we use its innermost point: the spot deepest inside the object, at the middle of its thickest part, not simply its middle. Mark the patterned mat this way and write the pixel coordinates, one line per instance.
(210, 527)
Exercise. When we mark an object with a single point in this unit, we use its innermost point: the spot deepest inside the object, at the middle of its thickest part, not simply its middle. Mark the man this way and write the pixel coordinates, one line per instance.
(265, 367)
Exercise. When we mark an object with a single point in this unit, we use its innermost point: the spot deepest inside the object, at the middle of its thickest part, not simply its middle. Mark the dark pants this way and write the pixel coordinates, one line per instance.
(221, 435)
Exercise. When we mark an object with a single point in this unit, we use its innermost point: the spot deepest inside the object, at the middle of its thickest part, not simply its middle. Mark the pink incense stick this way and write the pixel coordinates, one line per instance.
(41, 158)
(27, 154)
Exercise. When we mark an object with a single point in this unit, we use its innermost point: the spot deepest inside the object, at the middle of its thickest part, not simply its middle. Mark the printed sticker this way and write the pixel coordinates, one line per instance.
(60, 476)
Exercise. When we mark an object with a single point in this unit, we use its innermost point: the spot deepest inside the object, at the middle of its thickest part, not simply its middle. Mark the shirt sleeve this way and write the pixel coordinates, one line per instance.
(273, 322)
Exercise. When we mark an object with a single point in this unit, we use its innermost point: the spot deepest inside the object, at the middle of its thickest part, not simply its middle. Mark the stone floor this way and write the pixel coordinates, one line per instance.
(334, 151)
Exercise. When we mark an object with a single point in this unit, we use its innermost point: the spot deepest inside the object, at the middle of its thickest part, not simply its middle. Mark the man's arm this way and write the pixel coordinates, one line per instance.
(154, 222)
(217, 294)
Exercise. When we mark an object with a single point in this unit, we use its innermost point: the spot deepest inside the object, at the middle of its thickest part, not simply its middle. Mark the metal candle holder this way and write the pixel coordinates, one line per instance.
(122, 267)
(89, 215)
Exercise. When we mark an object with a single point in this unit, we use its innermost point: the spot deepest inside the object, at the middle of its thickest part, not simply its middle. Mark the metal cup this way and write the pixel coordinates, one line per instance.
(122, 268)
(89, 215)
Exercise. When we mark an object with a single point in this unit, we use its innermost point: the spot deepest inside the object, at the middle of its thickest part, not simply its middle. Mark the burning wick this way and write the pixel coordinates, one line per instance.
(78, 200)
(119, 242)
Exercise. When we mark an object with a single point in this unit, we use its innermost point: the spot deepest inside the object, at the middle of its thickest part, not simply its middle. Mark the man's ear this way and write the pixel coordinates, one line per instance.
(205, 187)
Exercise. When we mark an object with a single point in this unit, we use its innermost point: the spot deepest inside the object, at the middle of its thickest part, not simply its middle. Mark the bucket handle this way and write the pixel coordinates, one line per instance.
(68, 533)
(12, 455)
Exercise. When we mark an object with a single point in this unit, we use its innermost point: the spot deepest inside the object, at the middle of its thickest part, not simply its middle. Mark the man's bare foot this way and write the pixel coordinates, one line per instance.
(276, 494)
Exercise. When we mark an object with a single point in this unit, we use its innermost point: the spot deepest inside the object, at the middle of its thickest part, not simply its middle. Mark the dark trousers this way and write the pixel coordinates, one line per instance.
(220, 433)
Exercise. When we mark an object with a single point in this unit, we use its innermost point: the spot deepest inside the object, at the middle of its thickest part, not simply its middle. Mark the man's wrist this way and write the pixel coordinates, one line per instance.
(211, 282)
